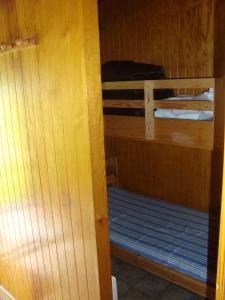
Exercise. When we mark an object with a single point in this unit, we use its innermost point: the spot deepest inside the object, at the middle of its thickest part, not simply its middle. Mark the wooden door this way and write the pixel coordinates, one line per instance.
(53, 214)
(219, 166)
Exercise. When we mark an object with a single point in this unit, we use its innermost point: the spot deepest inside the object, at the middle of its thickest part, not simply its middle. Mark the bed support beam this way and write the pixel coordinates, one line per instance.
(149, 110)
(189, 133)
(201, 288)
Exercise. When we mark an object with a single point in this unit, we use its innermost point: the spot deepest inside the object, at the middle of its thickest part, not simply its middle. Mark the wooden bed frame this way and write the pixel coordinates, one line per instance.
(185, 281)
(185, 132)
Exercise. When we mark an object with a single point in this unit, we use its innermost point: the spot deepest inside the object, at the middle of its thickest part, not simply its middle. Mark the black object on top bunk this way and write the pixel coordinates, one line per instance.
(129, 71)
(125, 70)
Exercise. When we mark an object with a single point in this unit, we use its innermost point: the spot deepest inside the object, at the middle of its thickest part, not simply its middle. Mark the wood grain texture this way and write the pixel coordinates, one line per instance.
(112, 171)
(218, 185)
(198, 134)
(172, 173)
(96, 141)
(176, 34)
(49, 208)
(123, 85)
(195, 83)
(166, 273)
(186, 132)
(125, 126)
(149, 110)
(124, 103)
(166, 104)
(190, 105)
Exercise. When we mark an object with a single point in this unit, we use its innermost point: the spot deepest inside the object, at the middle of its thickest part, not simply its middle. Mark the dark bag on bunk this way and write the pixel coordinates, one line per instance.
(129, 71)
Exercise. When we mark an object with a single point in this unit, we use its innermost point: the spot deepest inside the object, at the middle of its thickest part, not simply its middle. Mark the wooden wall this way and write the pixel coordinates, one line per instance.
(177, 34)
(50, 213)
(173, 173)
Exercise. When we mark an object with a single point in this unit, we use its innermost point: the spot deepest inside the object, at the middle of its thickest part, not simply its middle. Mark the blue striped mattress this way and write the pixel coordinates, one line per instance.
(172, 235)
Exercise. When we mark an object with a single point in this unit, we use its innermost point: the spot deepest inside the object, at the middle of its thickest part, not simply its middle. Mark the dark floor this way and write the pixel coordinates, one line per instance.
(136, 284)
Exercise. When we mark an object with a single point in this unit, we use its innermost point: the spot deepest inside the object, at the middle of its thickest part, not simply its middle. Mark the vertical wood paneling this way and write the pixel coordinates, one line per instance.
(97, 153)
(218, 189)
(177, 34)
(51, 214)
(173, 33)
(165, 171)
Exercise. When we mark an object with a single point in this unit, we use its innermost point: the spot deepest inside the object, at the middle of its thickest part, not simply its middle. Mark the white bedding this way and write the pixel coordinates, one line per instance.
(207, 96)
(183, 114)
(187, 114)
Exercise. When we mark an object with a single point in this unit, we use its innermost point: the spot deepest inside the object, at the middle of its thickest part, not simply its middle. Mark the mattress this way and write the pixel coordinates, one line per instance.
(172, 235)
(184, 114)
(207, 96)
(187, 114)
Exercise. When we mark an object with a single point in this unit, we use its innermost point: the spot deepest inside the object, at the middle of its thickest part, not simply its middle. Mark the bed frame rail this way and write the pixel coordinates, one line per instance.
(201, 288)
(150, 104)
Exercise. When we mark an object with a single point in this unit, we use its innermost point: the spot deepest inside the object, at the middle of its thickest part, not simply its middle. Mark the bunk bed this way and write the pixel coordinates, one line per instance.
(196, 131)
(166, 239)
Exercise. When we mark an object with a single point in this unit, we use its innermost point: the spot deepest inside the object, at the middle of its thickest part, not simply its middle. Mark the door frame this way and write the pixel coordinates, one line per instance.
(219, 161)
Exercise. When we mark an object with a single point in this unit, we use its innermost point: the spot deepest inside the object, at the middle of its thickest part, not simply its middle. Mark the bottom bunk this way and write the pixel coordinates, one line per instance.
(166, 239)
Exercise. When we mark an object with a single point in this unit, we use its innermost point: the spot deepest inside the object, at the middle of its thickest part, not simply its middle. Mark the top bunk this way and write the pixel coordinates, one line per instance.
(186, 119)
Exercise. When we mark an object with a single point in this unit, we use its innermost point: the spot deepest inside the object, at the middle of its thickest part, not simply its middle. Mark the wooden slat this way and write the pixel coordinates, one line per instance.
(188, 104)
(182, 132)
(123, 103)
(191, 83)
(185, 132)
(149, 111)
(171, 275)
(123, 85)
(163, 103)
(188, 83)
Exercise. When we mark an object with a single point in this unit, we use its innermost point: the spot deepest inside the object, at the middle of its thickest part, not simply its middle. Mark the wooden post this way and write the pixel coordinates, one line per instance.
(149, 110)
